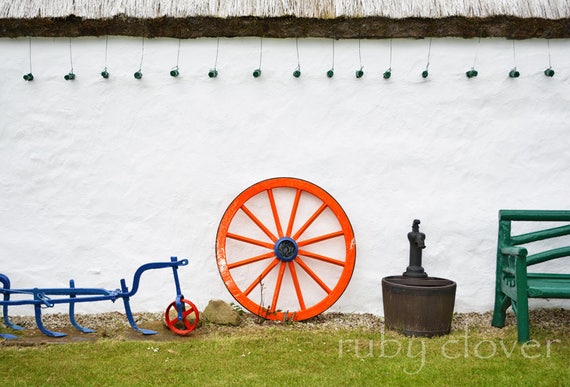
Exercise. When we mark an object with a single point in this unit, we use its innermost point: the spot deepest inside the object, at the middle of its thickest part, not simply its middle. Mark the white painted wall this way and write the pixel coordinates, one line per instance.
(100, 176)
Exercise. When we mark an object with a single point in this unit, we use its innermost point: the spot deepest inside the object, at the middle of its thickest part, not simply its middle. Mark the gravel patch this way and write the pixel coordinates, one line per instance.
(114, 325)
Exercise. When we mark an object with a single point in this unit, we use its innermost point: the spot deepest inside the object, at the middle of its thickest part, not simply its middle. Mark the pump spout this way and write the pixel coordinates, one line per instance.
(417, 244)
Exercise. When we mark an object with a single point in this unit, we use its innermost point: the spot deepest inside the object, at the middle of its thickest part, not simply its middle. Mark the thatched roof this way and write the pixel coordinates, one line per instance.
(287, 18)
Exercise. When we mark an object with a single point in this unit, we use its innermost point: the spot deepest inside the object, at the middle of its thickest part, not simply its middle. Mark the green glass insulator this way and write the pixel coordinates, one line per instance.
(471, 73)
(549, 72)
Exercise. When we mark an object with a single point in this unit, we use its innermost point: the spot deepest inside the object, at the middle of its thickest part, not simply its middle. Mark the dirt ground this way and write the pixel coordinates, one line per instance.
(115, 326)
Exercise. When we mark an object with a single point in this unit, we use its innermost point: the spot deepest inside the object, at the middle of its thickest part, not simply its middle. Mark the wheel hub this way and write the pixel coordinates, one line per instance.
(286, 249)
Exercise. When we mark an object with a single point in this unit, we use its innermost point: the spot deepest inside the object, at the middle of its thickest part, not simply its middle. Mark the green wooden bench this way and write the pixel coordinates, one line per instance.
(514, 285)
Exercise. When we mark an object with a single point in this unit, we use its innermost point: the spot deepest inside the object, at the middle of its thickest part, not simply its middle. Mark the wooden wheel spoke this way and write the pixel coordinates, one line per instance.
(310, 221)
(293, 212)
(312, 274)
(297, 286)
(247, 261)
(277, 287)
(250, 240)
(275, 213)
(320, 238)
(321, 258)
(261, 276)
(258, 223)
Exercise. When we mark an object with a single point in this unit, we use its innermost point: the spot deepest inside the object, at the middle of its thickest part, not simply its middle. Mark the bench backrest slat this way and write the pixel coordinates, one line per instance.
(535, 215)
(548, 255)
(540, 235)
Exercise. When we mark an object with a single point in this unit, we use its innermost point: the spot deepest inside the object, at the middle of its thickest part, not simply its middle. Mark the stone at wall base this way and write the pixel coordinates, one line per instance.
(221, 313)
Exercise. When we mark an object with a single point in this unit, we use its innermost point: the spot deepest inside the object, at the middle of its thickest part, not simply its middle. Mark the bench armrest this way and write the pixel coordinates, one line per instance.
(514, 251)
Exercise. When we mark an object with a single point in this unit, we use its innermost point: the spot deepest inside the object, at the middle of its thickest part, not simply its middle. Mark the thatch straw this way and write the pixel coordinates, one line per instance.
(517, 19)
(320, 9)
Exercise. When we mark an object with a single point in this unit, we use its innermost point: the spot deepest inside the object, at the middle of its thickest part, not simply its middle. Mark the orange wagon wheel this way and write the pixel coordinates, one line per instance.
(285, 249)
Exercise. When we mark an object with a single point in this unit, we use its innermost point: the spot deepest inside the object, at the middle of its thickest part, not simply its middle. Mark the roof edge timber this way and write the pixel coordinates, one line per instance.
(289, 27)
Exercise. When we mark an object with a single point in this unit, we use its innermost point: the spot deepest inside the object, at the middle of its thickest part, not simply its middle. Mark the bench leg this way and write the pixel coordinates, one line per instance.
(521, 311)
(502, 303)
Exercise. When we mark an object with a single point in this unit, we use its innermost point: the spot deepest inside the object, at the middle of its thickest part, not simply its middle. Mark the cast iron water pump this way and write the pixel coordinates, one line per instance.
(417, 244)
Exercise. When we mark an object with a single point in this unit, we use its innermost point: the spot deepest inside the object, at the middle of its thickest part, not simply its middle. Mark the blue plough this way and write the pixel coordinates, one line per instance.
(182, 322)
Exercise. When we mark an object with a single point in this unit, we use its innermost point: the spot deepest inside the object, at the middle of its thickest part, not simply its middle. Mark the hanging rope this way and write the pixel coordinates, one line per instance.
(514, 73)
(71, 75)
(213, 73)
(70, 56)
(549, 72)
(388, 73)
(330, 73)
(425, 73)
(30, 53)
(257, 71)
(29, 76)
(174, 72)
(297, 72)
(473, 73)
(359, 73)
(105, 73)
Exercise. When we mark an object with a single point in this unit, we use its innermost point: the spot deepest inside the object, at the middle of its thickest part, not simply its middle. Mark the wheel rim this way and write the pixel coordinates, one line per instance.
(189, 321)
(285, 249)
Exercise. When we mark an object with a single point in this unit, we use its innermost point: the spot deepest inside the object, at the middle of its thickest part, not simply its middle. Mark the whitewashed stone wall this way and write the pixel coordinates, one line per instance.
(100, 176)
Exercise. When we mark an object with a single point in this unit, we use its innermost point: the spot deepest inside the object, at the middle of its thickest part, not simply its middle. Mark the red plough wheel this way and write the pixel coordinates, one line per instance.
(285, 249)
(182, 326)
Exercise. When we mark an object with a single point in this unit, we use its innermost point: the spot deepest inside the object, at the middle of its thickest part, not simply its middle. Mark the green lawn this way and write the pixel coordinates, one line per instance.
(284, 355)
